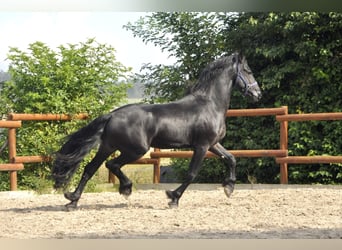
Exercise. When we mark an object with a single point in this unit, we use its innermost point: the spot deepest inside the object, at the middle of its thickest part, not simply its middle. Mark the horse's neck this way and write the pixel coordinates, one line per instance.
(220, 94)
(217, 90)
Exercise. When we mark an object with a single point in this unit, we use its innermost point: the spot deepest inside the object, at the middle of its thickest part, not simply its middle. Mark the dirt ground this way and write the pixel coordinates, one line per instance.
(275, 213)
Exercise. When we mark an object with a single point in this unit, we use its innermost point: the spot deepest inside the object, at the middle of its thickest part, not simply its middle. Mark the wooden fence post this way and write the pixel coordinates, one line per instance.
(284, 146)
(156, 168)
(12, 152)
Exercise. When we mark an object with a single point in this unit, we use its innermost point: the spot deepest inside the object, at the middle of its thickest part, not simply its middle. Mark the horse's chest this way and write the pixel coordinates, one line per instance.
(220, 131)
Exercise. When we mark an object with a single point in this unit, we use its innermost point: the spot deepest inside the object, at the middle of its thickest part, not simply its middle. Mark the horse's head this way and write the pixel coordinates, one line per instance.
(245, 79)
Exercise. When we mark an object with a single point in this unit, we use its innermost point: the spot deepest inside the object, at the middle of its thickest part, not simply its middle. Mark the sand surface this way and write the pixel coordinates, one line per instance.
(263, 213)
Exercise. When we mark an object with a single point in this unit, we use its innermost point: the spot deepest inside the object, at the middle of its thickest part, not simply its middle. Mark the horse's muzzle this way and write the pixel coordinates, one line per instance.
(254, 94)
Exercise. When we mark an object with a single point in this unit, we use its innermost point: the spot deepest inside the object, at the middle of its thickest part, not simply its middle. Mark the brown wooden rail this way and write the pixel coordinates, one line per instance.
(281, 154)
(10, 124)
(46, 117)
(310, 117)
(11, 166)
(31, 159)
(236, 153)
(309, 159)
(256, 112)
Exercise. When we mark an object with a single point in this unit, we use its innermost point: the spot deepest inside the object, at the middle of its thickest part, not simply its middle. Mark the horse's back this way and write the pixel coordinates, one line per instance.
(173, 125)
(149, 125)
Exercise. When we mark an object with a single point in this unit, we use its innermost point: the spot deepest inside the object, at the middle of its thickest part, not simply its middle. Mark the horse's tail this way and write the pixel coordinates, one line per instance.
(77, 146)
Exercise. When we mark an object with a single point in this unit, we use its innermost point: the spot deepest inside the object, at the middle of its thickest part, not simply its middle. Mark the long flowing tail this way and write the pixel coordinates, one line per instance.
(77, 146)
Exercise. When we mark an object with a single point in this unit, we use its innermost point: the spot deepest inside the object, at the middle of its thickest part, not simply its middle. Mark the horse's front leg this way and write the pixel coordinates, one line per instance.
(229, 181)
(194, 168)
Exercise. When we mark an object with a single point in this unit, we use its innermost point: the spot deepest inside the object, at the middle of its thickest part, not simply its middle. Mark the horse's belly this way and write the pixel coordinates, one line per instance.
(170, 140)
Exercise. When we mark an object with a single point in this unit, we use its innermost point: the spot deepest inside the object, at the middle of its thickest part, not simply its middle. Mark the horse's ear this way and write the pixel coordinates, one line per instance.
(235, 61)
(241, 56)
(235, 58)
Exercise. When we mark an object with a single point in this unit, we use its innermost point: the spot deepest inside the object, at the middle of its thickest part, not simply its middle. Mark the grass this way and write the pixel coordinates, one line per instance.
(141, 174)
(138, 174)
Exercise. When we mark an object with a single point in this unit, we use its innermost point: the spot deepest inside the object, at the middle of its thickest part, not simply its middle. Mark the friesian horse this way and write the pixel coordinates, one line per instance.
(196, 121)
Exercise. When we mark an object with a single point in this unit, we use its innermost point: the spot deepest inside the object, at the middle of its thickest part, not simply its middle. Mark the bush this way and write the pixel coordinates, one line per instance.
(77, 78)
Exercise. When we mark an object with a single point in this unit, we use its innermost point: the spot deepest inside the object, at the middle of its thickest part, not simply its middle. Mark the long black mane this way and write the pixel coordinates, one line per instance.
(210, 73)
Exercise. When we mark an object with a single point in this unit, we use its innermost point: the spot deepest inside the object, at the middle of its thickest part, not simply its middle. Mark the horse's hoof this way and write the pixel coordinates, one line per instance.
(71, 206)
(174, 200)
(126, 196)
(173, 204)
(228, 190)
(69, 196)
(169, 194)
(126, 190)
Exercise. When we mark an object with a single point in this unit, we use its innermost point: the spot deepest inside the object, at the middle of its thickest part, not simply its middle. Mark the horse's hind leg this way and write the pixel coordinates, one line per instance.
(229, 181)
(88, 172)
(115, 165)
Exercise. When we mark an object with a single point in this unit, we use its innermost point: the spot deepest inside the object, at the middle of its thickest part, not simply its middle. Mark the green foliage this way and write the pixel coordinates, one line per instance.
(189, 37)
(64, 81)
(76, 78)
(295, 57)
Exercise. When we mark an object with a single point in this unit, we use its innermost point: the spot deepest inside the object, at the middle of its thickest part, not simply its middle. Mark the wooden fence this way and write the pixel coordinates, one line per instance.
(281, 154)
(16, 163)
(12, 167)
(307, 159)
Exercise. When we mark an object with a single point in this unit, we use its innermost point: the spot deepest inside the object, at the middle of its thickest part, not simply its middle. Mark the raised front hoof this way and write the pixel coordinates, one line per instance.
(228, 190)
(126, 190)
(174, 200)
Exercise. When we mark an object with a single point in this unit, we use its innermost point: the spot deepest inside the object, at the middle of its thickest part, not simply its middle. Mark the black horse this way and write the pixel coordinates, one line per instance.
(196, 121)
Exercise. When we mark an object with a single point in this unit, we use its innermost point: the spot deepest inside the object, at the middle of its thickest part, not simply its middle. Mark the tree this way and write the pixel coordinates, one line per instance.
(291, 55)
(76, 78)
(296, 57)
(189, 37)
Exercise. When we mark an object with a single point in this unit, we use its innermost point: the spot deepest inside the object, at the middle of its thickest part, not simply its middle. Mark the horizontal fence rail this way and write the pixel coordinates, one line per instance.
(46, 117)
(236, 153)
(11, 166)
(256, 112)
(309, 159)
(10, 124)
(16, 163)
(32, 159)
(310, 117)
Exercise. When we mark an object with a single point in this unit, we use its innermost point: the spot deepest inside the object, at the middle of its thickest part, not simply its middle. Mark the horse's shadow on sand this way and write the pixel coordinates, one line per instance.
(63, 208)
